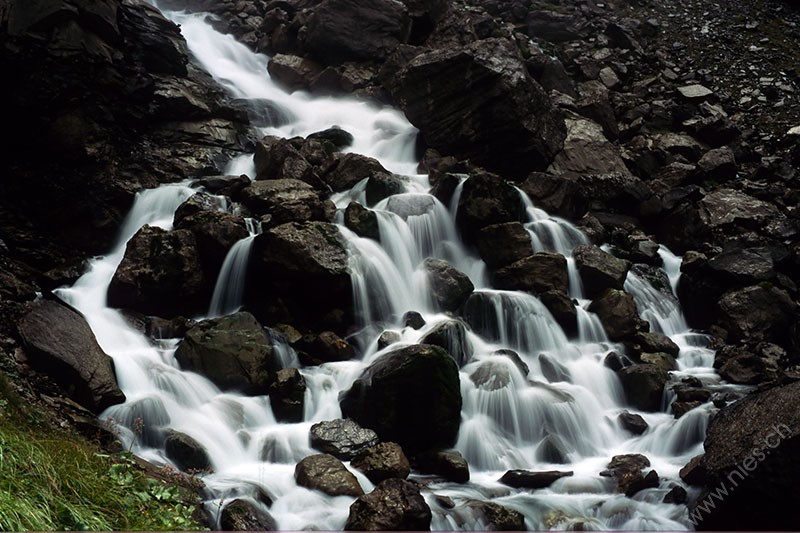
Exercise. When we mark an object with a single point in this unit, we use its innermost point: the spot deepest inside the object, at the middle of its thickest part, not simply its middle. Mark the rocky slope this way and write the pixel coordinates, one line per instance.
(643, 122)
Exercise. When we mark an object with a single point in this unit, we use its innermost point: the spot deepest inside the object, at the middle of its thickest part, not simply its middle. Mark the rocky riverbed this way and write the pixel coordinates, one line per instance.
(642, 122)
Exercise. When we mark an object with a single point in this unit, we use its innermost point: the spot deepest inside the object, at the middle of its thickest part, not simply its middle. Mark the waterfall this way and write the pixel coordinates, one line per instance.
(533, 397)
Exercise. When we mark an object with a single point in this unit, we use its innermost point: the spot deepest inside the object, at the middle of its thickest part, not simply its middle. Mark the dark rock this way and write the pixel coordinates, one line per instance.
(514, 357)
(499, 517)
(749, 365)
(234, 352)
(450, 287)
(186, 452)
(616, 362)
(599, 270)
(451, 465)
(343, 439)
(383, 461)
(691, 392)
(694, 472)
(644, 385)
(502, 244)
(293, 73)
(627, 470)
(335, 135)
(413, 320)
(227, 185)
(394, 505)
(586, 151)
(756, 312)
(617, 312)
(661, 360)
(593, 104)
(718, 164)
(161, 274)
(286, 395)
(328, 346)
(452, 336)
(649, 481)
(215, 232)
(284, 200)
(362, 221)
(410, 396)
(486, 199)
(242, 515)
(743, 266)
(59, 343)
(676, 495)
(526, 479)
(478, 102)
(726, 207)
(352, 168)
(563, 310)
(653, 342)
(537, 273)
(382, 187)
(558, 195)
(387, 338)
(681, 408)
(325, 473)
(633, 423)
(279, 159)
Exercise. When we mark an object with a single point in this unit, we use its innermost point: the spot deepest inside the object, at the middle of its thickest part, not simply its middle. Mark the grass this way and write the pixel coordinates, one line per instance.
(52, 480)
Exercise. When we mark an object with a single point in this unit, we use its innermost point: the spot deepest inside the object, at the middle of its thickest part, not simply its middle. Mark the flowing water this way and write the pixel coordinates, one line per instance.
(557, 411)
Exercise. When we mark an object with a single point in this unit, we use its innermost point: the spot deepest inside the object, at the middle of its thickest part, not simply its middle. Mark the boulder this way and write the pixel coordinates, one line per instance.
(342, 30)
(234, 352)
(293, 73)
(243, 515)
(748, 365)
(558, 195)
(452, 336)
(758, 312)
(226, 185)
(279, 159)
(676, 495)
(478, 102)
(450, 287)
(343, 439)
(694, 472)
(661, 360)
(287, 395)
(486, 199)
(388, 337)
(411, 396)
(718, 164)
(352, 168)
(644, 385)
(362, 221)
(334, 135)
(537, 273)
(394, 505)
(381, 187)
(491, 375)
(59, 343)
(593, 103)
(161, 274)
(617, 312)
(627, 470)
(599, 270)
(382, 461)
(327, 347)
(633, 423)
(738, 266)
(284, 200)
(563, 310)
(654, 342)
(326, 473)
(527, 479)
(186, 452)
(414, 320)
(586, 151)
(726, 207)
(498, 517)
(502, 244)
(449, 464)
(215, 232)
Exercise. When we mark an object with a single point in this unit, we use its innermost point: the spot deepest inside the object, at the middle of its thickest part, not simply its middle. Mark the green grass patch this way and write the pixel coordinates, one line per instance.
(52, 480)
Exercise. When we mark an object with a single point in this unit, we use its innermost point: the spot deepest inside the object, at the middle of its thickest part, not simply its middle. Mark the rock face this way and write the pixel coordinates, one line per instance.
(341, 438)
(234, 352)
(394, 505)
(410, 396)
(160, 274)
(478, 102)
(59, 343)
(327, 474)
(450, 287)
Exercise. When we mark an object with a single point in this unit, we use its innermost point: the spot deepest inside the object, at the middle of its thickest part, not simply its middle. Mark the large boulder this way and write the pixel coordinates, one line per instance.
(756, 312)
(644, 385)
(185, 451)
(587, 151)
(383, 461)
(161, 274)
(558, 195)
(411, 396)
(486, 199)
(498, 517)
(452, 336)
(537, 273)
(59, 343)
(284, 200)
(599, 270)
(449, 464)
(394, 505)
(326, 473)
(287, 395)
(450, 287)
(343, 439)
(243, 515)
(234, 352)
(502, 244)
(215, 232)
(362, 221)
(751, 450)
(617, 312)
(478, 102)
(352, 168)
(277, 159)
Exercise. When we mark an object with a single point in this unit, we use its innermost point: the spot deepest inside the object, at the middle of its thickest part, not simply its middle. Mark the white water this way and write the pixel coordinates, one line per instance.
(561, 415)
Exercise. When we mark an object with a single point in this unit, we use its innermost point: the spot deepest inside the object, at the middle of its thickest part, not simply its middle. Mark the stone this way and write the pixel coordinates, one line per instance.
(278, 159)
(486, 199)
(362, 221)
(559, 195)
(661, 360)
(632, 422)
(413, 320)
(186, 452)
(449, 464)
(587, 151)
(242, 515)
(654, 342)
(351, 168)
(451, 335)
(498, 517)
(676, 495)
(334, 135)
(287, 395)
(537, 273)
(695, 92)
(617, 312)
(411, 396)
(726, 207)
(502, 244)
(325, 473)
(215, 232)
(627, 470)
(593, 103)
(382, 461)
(694, 472)
(718, 164)
(293, 73)
(394, 505)
(599, 270)
(343, 439)
(681, 408)
(757, 312)
(644, 385)
(527, 479)
(328, 347)
(563, 310)
(382, 187)
(387, 338)
(59, 343)
(450, 287)
(284, 200)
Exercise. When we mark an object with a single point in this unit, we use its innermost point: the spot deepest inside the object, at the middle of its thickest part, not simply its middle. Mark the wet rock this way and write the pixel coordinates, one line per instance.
(280, 159)
(186, 452)
(352, 168)
(758, 312)
(383, 461)
(328, 346)
(486, 199)
(59, 343)
(284, 200)
(413, 320)
(632, 422)
(694, 472)
(537, 273)
(681, 408)
(394, 505)
(644, 385)
(499, 517)
(661, 360)
(452, 336)
(451, 465)
(648, 481)
(505, 121)
(687, 392)
(558, 195)
(286, 395)
(491, 375)
(227, 185)
(293, 73)
(325, 473)
(749, 365)
(335, 135)
(563, 310)
(502, 244)
(410, 396)
(234, 352)
(726, 206)
(695, 92)
(388, 337)
(617, 312)
(362, 221)
(450, 287)
(527, 479)
(587, 151)
(382, 187)
(676, 495)
(599, 270)
(242, 515)
(552, 370)
(654, 342)
(627, 470)
(738, 266)
(343, 439)
(514, 357)
(161, 274)
(718, 164)
(411, 205)
(215, 232)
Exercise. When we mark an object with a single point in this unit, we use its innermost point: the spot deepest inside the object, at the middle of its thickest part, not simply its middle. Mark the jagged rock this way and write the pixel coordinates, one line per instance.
(326, 473)
(226, 185)
(382, 187)
(215, 232)
(486, 199)
(644, 385)
(450, 287)
(617, 312)
(499, 517)
(558, 195)
(383, 461)
(394, 505)
(727, 206)
(326, 347)
(452, 336)
(694, 472)
(502, 244)
(352, 168)
(242, 515)
(451, 465)
(161, 274)
(286, 395)
(343, 439)
(59, 343)
(599, 270)
(593, 103)
(186, 452)
(284, 200)
(527, 479)
(718, 164)
(293, 73)
(362, 221)
(587, 151)
(234, 352)
(280, 159)
(740, 266)
(757, 311)
(537, 273)
(410, 396)
(676, 495)
(695, 92)
(633, 423)
(504, 120)
(740, 364)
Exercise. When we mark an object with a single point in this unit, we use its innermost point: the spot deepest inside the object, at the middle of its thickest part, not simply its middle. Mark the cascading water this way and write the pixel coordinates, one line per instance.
(553, 407)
